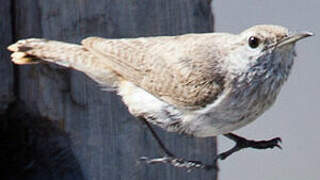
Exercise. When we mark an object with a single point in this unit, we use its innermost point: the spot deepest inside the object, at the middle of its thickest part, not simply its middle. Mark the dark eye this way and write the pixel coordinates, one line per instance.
(253, 42)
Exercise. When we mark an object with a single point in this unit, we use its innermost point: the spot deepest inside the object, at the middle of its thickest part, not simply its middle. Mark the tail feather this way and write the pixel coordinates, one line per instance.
(32, 51)
(23, 58)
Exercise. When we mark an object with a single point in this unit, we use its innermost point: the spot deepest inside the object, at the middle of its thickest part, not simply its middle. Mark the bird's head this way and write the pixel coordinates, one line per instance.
(262, 48)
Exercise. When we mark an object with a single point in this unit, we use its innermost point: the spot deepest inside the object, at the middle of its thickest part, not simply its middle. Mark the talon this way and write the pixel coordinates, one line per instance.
(242, 143)
(278, 146)
(180, 163)
(279, 139)
(276, 142)
(143, 158)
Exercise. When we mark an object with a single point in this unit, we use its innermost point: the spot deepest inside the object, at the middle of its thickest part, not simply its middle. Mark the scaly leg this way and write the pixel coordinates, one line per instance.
(170, 158)
(241, 143)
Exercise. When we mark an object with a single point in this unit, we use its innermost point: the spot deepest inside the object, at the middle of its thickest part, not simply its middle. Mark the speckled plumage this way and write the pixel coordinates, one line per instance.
(198, 84)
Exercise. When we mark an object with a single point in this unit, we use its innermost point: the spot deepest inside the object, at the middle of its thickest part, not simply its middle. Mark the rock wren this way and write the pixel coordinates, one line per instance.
(197, 84)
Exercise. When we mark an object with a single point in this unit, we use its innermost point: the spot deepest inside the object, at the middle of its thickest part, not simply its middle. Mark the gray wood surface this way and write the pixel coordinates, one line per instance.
(6, 68)
(107, 140)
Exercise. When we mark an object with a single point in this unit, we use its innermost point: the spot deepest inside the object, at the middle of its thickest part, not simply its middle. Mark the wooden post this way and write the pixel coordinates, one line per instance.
(106, 140)
(6, 68)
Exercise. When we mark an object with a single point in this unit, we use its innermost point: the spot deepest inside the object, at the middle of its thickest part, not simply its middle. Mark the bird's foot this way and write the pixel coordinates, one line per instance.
(242, 143)
(179, 162)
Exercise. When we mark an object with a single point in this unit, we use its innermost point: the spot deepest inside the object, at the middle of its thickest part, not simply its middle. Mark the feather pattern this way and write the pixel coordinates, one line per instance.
(164, 68)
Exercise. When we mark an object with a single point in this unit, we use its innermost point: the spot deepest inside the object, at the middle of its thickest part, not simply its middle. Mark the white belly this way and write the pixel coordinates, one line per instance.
(213, 120)
(245, 98)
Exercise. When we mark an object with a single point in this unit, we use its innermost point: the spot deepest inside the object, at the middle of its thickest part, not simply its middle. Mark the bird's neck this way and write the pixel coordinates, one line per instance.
(260, 85)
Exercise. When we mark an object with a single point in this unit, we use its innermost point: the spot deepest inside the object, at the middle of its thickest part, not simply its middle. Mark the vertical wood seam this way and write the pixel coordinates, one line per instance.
(16, 79)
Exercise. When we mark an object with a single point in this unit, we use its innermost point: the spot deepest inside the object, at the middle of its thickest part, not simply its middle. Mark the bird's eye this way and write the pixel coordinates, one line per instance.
(253, 42)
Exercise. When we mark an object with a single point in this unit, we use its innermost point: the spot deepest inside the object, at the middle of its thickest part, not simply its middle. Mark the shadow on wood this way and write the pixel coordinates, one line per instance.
(34, 148)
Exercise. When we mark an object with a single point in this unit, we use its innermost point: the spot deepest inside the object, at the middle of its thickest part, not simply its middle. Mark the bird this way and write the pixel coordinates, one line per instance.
(203, 85)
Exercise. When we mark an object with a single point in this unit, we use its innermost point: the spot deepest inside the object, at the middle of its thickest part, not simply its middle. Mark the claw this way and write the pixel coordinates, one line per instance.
(279, 141)
(276, 141)
(242, 143)
(171, 159)
(177, 162)
(278, 146)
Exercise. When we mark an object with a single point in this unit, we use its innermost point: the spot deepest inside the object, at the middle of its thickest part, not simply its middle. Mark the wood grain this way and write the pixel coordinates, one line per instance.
(6, 67)
(107, 140)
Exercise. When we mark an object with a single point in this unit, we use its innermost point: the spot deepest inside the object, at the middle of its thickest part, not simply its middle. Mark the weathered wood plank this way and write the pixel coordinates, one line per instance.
(107, 140)
(6, 68)
(33, 148)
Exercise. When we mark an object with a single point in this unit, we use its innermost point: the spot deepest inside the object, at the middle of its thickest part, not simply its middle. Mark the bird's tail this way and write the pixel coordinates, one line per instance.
(31, 51)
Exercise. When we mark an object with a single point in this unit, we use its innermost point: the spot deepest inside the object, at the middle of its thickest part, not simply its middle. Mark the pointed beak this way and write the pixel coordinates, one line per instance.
(293, 38)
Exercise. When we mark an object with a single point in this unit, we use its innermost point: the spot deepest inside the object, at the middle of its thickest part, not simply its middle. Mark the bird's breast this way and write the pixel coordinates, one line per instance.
(239, 104)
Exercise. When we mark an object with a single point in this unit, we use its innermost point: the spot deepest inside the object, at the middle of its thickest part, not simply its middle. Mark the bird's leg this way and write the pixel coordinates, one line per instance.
(157, 138)
(170, 158)
(242, 143)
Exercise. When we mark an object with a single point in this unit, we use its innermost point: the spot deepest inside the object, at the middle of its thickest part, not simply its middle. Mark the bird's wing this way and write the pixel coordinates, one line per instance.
(180, 70)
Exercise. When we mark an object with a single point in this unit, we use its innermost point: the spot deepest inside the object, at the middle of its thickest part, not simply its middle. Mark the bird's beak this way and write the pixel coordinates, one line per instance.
(293, 38)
